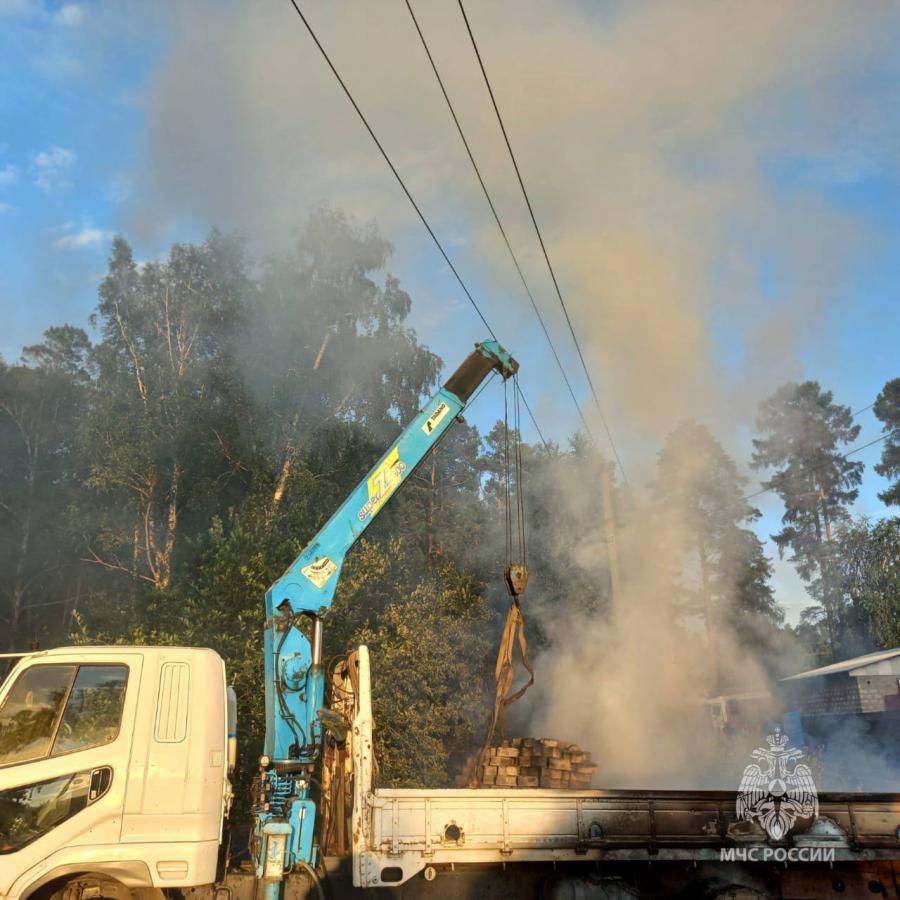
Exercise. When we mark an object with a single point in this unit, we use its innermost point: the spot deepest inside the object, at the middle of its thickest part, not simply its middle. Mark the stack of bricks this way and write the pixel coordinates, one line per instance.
(533, 762)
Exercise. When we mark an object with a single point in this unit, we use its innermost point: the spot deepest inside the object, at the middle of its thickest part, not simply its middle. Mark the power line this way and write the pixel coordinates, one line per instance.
(540, 238)
(877, 440)
(393, 169)
(406, 191)
(494, 212)
(884, 437)
(533, 419)
(853, 415)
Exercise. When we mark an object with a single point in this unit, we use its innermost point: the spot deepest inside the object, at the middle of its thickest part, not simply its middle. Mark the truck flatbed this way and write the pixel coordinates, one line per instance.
(407, 830)
(399, 832)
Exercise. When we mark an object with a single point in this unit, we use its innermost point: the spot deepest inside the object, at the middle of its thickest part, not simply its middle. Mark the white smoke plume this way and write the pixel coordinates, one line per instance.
(651, 136)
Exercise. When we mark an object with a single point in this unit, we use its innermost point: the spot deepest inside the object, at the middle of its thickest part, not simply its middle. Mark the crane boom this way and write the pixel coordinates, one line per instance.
(296, 604)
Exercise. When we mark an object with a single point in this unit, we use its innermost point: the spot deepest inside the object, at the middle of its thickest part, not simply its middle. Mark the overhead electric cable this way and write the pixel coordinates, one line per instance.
(537, 427)
(496, 215)
(877, 440)
(393, 169)
(406, 191)
(540, 238)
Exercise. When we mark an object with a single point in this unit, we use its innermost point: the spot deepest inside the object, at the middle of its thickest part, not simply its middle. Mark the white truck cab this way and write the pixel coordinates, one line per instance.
(113, 763)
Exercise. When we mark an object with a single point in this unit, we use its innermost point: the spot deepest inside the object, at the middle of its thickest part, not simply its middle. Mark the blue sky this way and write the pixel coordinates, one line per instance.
(765, 185)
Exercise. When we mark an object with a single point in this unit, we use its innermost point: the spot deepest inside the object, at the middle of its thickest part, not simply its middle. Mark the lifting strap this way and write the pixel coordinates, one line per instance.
(503, 674)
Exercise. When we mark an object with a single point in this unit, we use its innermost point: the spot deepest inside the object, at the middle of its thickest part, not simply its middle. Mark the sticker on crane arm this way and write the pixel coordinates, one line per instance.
(320, 571)
(435, 419)
(382, 483)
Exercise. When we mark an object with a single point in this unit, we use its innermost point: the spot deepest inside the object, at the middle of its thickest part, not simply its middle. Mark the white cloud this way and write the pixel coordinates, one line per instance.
(86, 237)
(51, 166)
(8, 175)
(7, 209)
(71, 14)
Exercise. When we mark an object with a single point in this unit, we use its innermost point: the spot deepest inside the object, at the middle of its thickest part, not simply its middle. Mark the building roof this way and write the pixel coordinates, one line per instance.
(851, 666)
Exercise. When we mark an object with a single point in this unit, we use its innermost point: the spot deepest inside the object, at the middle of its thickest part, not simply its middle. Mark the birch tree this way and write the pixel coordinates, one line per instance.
(166, 401)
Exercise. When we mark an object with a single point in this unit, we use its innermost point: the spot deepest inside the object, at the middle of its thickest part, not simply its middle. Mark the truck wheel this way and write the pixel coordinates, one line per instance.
(92, 887)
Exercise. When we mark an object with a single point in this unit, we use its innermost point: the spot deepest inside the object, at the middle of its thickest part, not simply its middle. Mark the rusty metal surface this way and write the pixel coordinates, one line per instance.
(642, 819)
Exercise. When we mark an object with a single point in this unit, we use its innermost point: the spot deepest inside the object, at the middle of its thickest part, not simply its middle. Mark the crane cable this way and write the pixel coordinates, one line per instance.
(516, 577)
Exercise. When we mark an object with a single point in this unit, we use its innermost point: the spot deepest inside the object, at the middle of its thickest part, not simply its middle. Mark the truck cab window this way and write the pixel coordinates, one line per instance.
(31, 712)
(94, 709)
(56, 709)
(32, 810)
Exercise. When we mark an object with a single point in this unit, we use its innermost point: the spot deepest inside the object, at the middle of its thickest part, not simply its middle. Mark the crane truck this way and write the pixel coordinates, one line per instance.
(116, 762)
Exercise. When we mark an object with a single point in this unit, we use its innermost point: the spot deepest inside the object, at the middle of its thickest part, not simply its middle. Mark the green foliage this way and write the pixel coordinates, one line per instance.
(155, 483)
(166, 406)
(286, 391)
(699, 487)
(41, 403)
(428, 633)
(804, 436)
(887, 409)
(870, 566)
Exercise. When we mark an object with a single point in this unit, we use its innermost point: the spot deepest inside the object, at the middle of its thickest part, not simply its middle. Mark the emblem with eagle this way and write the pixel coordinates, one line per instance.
(775, 794)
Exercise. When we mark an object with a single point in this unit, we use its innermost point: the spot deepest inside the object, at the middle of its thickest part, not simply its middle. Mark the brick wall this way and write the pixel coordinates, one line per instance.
(831, 694)
(872, 690)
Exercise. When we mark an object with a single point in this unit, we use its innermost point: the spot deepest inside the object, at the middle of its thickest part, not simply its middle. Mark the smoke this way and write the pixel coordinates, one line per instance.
(630, 680)
(651, 136)
(656, 140)
(854, 753)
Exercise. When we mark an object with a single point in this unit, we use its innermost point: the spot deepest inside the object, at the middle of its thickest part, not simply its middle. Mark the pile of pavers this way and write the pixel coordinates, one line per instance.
(533, 763)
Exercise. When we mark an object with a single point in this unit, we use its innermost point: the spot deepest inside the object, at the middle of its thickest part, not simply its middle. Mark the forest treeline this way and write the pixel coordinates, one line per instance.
(157, 475)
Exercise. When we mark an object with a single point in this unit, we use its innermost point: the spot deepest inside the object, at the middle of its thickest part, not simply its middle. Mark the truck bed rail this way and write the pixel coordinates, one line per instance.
(411, 829)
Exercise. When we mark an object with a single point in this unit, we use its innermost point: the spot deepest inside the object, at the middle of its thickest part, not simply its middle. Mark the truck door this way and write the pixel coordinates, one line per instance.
(65, 737)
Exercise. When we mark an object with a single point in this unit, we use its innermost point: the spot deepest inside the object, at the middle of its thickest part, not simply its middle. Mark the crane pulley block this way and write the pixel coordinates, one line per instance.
(516, 578)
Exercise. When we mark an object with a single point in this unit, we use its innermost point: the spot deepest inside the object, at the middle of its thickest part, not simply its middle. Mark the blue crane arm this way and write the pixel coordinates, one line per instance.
(297, 602)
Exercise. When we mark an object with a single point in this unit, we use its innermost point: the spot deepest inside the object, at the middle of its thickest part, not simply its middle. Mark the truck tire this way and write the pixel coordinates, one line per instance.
(93, 887)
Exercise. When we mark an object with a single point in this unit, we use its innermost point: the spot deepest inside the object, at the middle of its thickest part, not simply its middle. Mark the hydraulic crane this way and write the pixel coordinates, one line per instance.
(296, 606)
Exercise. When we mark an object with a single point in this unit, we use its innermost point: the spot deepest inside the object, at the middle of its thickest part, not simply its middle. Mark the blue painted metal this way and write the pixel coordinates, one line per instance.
(294, 679)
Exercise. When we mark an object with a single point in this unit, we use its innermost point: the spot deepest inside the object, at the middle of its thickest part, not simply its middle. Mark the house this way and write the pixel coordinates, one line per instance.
(864, 684)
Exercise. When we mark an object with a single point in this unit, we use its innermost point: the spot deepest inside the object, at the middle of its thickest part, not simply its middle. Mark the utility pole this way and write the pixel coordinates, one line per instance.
(615, 580)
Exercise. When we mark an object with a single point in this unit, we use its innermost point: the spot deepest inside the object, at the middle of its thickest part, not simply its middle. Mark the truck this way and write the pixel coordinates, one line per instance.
(116, 765)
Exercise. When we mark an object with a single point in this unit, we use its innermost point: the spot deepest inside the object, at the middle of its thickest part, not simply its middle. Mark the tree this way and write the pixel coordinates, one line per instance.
(887, 409)
(428, 632)
(41, 401)
(325, 341)
(232, 413)
(167, 405)
(870, 566)
(804, 433)
(699, 486)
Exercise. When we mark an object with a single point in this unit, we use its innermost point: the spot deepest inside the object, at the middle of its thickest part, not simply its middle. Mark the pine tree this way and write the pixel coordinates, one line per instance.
(699, 486)
(887, 408)
(805, 433)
